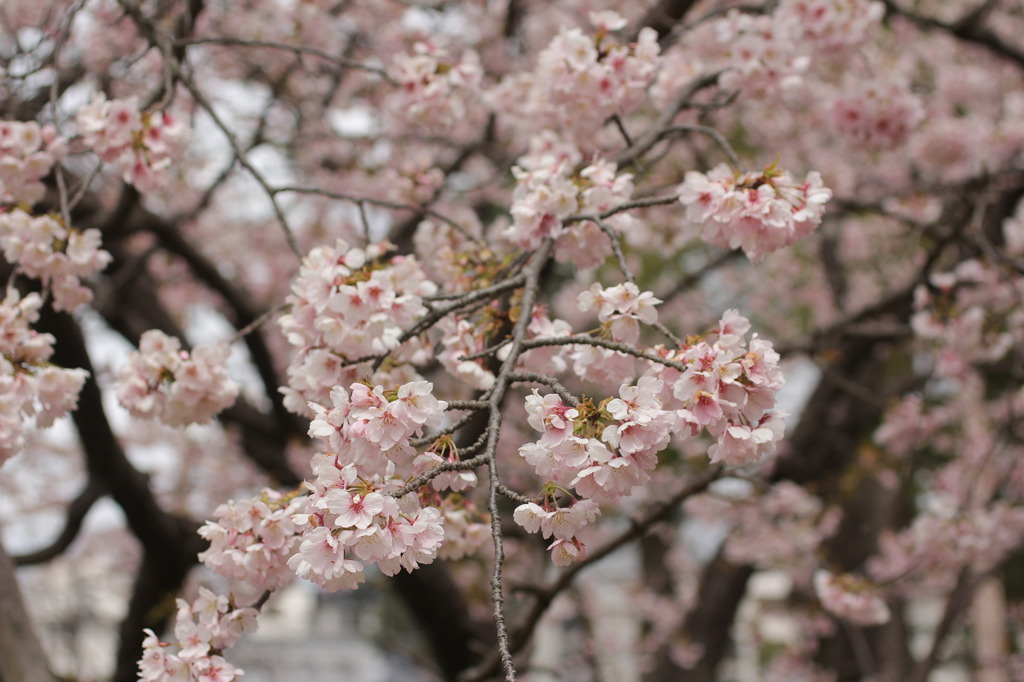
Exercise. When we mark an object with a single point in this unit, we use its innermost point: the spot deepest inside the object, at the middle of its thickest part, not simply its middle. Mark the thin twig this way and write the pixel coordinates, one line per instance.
(535, 378)
(603, 343)
(531, 290)
(383, 203)
(298, 49)
(734, 159)
(161, 42)
(436, 471)
(544, 595)
(652, 136)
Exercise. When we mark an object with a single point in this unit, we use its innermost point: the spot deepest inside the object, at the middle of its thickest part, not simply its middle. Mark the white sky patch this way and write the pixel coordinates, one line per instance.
(359, 120)
(440, 22)
(204, 325)
(802, 376)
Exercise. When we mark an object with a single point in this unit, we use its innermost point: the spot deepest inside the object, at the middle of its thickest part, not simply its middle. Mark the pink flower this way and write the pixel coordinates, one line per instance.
(216, 669)
(550, 416)
(374, 543)
(141, 145)
(417, 405)
(757, 212)
(317, 555)
(850, 597)
(29, 385)
(606, 481)
(740, 444)
(566, 522)
(530, 516)
(876, 115)
(162, 381)
(638, 403)
(352, 510)
(565, 552)
(621, 308)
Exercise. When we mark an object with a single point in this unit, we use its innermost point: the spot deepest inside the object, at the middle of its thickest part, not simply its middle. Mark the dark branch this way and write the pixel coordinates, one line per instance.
(76, 512)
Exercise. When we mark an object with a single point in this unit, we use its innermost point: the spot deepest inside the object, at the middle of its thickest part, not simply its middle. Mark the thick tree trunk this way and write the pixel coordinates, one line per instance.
(21, 655)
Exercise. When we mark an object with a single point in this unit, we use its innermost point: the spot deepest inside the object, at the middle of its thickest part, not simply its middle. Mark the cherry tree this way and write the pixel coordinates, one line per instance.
(460, 299)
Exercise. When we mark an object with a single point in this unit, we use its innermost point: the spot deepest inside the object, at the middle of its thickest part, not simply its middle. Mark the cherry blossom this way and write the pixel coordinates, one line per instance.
(563, 523)
(164, 382)
(758, 212)
(252, 540)
(499, 242)
(347, 304)
(621, 308)
(141, 144)
(27, 154)
(30, 386)
(437, 91)
(851, 598)
(876, 116)
(548, 191)
(60, 257)
(580, 80)
(202, 627)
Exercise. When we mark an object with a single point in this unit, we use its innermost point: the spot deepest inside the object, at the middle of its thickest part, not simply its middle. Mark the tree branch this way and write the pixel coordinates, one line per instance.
(75, 514)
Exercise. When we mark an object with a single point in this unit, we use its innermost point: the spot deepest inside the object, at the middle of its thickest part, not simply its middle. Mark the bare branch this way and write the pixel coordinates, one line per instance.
(338, 61)
(74, 516)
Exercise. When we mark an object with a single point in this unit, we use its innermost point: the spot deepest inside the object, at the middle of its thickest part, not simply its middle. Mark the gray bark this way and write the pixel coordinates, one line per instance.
(21, 654)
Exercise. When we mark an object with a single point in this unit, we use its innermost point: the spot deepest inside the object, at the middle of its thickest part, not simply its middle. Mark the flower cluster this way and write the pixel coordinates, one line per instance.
(544, 359)
(141, 144)
(929, 553)
(435, 92)
(972, 314)
(350, 513)
(729, 389)
(621, 309)
(43, 248)
(581, 80)
(605, 451)
(349, 519)
(27, 154)
(163, 381)
(252, 540)
(372, 428)
(758, 212)
(460, 338)
(762, 59)
(203, 628)
(29, 385)
(830, 26)
(906, 426)
(549, 189)
(781, 527)
(639, 428)
(413, 181)
(769, 54)
(466, 530)
(347, 305)
(719, 383)
(851, 597)
(876, 115)
(562, 523)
